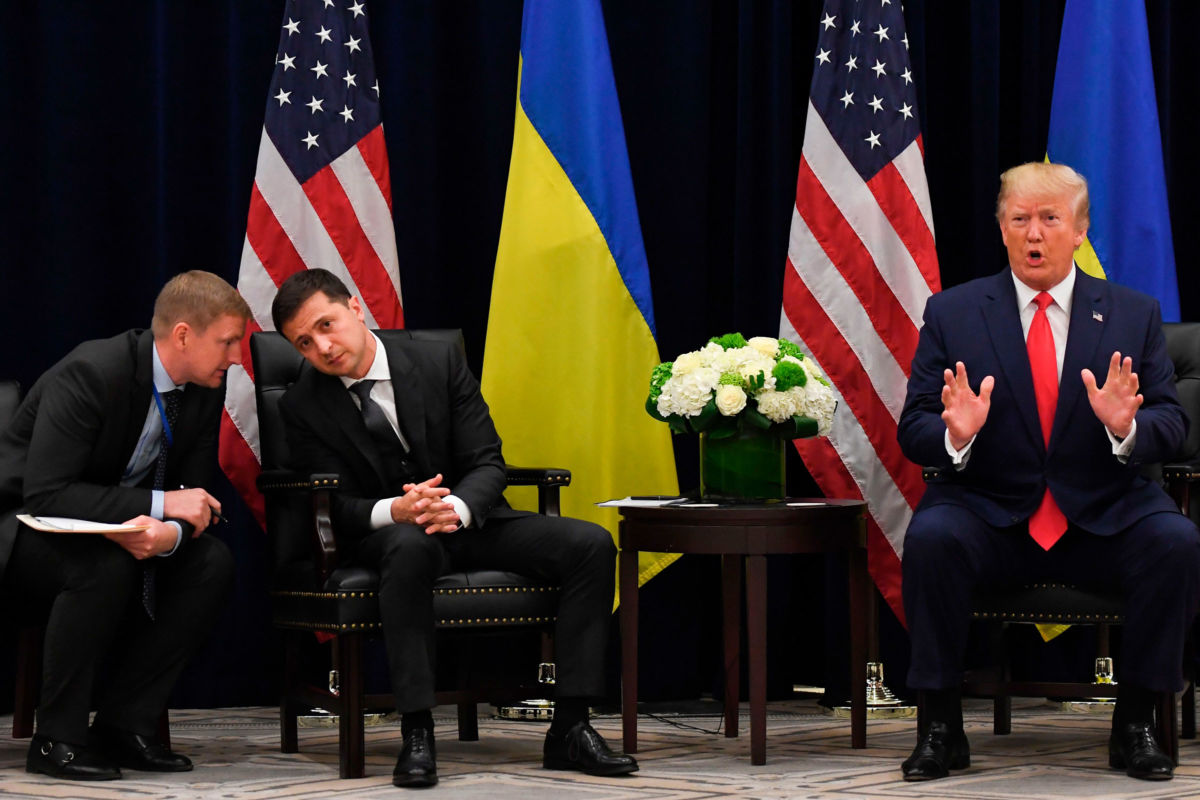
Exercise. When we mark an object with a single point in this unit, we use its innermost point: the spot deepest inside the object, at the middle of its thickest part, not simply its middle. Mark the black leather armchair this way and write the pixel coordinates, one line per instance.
(1064, 604)
(312, 591)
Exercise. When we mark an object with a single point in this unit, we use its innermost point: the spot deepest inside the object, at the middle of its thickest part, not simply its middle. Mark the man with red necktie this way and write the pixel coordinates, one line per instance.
(1040, 392)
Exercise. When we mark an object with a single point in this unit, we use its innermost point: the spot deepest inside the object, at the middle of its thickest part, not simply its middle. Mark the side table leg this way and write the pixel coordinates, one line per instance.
(628, 597)
(756, 630)
(731, 634)
(860, 598)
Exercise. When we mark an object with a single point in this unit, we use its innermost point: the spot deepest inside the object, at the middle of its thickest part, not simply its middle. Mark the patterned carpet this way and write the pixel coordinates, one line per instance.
(1050, 754)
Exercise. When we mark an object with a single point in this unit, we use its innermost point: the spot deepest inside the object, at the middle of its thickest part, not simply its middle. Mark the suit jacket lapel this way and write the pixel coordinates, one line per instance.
(410, 401)
(1003, 321)
(139, 396)
(1089, 307)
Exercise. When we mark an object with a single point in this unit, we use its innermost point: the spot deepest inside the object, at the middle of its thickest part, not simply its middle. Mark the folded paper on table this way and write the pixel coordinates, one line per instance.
(68, 525)
(643, 502)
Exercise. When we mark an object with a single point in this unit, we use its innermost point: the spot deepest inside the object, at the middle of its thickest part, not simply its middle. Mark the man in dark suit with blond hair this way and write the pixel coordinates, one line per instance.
(113, 433)
(1039, 393)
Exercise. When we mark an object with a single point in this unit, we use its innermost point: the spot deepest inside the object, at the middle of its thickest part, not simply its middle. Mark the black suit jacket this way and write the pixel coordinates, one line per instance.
(1010, 465)
(444, 418)
(74, 433)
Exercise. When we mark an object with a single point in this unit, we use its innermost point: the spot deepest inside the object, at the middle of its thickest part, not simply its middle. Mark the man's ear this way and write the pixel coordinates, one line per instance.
(180, 336)
(354, 305)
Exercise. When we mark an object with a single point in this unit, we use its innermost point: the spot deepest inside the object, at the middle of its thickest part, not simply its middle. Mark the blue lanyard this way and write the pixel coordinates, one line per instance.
(162, 413)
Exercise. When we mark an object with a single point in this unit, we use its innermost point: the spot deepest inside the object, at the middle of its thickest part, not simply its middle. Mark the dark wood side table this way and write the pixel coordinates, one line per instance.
(750, 533)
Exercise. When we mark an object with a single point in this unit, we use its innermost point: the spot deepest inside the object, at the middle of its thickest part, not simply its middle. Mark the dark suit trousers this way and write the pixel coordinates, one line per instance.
(949, 553)
(578, 556)
(91, 589)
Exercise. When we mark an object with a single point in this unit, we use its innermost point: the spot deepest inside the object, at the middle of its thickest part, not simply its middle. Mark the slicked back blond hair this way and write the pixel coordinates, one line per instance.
(1040, 177)
(197, 298)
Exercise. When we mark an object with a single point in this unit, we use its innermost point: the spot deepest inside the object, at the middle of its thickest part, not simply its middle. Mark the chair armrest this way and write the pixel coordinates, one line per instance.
(320, 488)
(548, 481)
(1178, 478)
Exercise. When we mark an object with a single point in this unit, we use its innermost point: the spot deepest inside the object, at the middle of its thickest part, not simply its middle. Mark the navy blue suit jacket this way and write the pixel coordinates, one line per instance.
(978, 323)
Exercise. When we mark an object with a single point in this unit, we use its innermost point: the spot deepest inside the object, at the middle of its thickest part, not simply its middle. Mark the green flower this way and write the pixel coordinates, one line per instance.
(787, 348)
(788, 374)
(730, 379)
(730, 340)
(660, 375)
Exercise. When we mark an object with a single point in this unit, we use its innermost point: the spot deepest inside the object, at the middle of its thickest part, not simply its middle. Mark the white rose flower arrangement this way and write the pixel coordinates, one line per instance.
(733, 385)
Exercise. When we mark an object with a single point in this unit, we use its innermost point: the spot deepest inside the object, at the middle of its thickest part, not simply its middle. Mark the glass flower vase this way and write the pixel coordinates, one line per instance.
(747, 466)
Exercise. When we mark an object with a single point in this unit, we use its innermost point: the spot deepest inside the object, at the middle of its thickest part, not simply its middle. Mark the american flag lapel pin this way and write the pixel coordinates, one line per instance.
(1096, 315)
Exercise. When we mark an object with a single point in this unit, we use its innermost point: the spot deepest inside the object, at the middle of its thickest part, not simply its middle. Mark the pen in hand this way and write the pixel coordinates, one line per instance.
(216, 515)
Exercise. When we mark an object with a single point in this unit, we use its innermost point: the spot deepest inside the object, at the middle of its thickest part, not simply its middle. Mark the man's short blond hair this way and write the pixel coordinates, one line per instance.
(1040, 177)
(197, 298)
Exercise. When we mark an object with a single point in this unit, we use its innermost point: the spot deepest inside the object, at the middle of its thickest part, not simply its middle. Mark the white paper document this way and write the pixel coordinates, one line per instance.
(644, 501)
(68, 525)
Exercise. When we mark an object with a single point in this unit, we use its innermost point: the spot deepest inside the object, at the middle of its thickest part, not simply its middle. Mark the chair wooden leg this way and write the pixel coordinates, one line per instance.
(289, 739)
(468, 723)
(28, 680)
(1002, 703)
(351, 746)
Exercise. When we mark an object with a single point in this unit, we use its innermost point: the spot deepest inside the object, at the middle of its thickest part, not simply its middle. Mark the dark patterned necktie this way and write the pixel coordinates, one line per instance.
(170, 415)
(391, 448)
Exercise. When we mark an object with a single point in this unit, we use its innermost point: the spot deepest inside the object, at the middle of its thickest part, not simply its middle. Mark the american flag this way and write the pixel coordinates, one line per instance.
(861, 264)
(321, 196)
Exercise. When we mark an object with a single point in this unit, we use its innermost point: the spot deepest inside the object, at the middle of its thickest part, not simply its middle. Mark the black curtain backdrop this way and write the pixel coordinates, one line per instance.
(130, 141)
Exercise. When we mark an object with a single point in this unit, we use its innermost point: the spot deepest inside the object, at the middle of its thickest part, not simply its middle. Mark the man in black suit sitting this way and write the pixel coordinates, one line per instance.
(113, 433)
(420, 491)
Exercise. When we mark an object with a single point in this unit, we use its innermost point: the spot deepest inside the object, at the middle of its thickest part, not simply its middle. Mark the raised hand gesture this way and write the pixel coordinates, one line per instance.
(1116, 404)
(965, 412)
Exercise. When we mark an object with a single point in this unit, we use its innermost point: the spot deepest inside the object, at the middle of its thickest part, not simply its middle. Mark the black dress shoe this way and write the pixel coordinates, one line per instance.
(937, 752)
(582, 749)
(62, 760)
(417, 764)
(1133, 748)
(134, 751)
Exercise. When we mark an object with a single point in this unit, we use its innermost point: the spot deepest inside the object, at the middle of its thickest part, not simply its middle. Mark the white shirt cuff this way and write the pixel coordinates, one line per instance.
(381, 514)
(1123, 448)
(158, 502)
(959, 457)
(464, 513)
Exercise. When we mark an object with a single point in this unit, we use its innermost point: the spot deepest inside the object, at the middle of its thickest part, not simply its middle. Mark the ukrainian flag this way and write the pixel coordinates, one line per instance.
(570, 339)
(1104, 124)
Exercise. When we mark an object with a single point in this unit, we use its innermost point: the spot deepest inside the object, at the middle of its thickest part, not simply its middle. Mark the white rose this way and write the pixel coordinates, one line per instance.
(766, 345)
(730, 400)
(711, 355)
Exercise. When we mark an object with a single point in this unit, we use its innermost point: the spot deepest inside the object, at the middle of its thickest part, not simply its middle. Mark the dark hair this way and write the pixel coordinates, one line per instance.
(296, 290)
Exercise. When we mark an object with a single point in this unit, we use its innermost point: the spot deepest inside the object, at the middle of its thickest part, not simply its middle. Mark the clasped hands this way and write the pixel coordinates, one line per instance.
(194, 506)
(1114, 405)
(424, 504)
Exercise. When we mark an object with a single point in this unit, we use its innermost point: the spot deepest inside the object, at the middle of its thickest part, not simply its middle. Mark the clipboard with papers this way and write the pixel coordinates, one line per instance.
(69, 525)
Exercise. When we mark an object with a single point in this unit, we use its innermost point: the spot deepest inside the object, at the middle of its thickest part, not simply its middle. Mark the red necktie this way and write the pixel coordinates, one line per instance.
(1047, 525)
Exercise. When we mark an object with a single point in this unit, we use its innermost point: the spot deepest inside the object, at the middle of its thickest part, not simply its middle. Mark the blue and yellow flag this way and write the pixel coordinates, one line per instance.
(570, 338)
(1104, 124)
